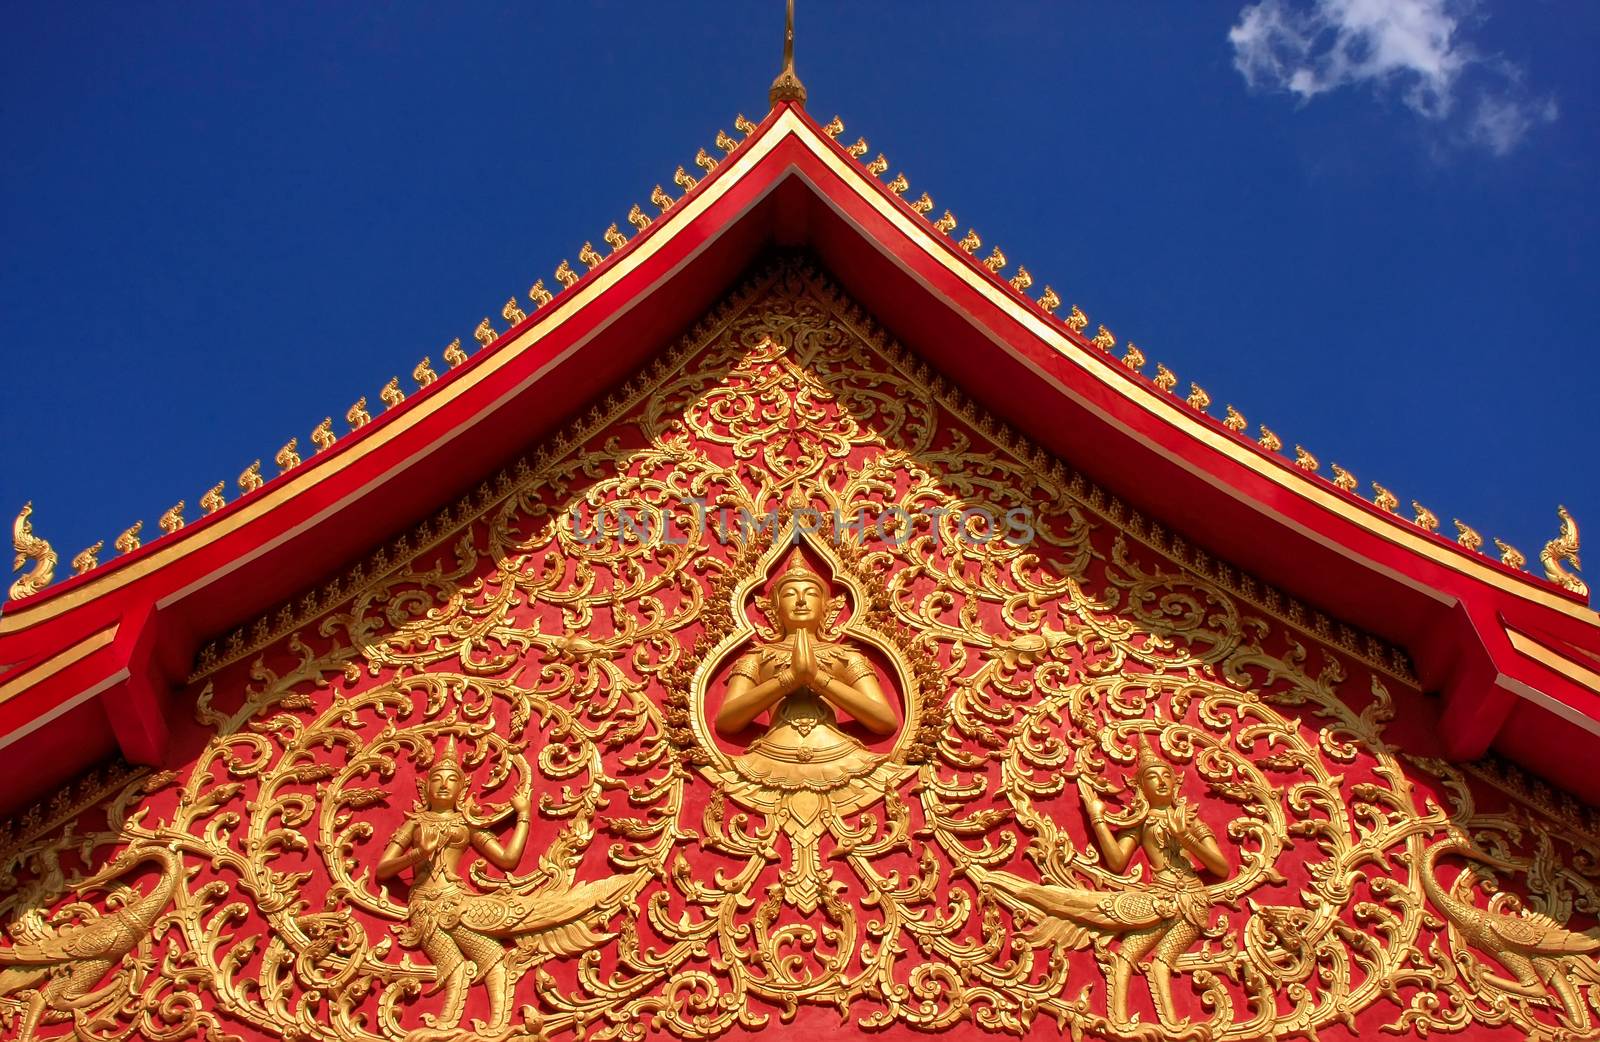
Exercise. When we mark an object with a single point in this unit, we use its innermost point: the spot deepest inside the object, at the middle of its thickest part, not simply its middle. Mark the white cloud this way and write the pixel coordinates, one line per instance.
(1414, 47)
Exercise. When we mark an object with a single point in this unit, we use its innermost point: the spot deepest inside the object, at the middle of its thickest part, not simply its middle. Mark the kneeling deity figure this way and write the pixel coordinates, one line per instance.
(804, 682)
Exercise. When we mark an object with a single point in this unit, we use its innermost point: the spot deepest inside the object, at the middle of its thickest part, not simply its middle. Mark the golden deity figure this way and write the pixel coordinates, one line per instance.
(1159, 918)
(465, 932)
(803, 681)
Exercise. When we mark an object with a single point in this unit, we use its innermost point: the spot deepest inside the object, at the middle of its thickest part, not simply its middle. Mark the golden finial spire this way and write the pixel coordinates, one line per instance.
(787, 87)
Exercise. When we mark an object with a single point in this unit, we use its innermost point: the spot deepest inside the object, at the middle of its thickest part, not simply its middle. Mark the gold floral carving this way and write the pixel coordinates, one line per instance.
(1091, 783)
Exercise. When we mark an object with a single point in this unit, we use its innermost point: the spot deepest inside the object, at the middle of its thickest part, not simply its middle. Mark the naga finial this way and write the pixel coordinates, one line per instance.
(1133, 358)
(213, 500)
(539, 295)
(1269, 439)
(30, 547)
(1424, 518)
(1234, 420)
(88, 558)
(392, 395)
(1468, 536)
(1305, 460)
(1077, 321)
(1165, 378)
(1022, 279)
(787, 87)
(1564, 548)
(172, 520)
(250, 478)
(1510, 556)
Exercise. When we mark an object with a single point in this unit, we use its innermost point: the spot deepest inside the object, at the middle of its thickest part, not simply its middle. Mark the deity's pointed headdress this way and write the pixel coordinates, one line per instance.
(1147, 758)
(447, 760)
(798, 569)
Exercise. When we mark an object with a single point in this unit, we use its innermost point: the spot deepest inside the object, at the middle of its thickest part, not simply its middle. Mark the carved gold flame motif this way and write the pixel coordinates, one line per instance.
(943, 739)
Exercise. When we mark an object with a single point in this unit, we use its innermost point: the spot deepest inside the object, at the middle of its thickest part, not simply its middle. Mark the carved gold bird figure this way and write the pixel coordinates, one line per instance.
(512, 313)
(705, 161)
(945, 224)
(1510, 555)
(485, 333)
(357, 415)
(322, 435)
(1343, 479)
(1103, 339)
(423, 374)
(1270, 440)
(1077, 321)
(172, 520)
(1234, 420)
(88, 559)
(30, 547)
(250, 478)
(724, 142)
(1049, 301)
(1562, 551)
(1424, 518)
(995, 261)
(878, 165)
(1384, 500)
(924, 204)
(834, 127)
(128, 541)
(212, 501)
(969, 242)
(1468, 537)
(453, 355)
(1198, 398)
(660, 198)
(287, 458)
(683, 180)
(858, 149)
(638, 218)
(565, 275)
(614, 238)
(743, 126)
(590, 256)
(539, 295)
(1305, 461)
(1022, 279)
(1166, 379)
(392, 395)
(1541, 954)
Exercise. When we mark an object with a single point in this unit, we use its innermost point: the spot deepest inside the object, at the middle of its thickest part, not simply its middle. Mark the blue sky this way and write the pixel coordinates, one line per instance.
(1369, 224)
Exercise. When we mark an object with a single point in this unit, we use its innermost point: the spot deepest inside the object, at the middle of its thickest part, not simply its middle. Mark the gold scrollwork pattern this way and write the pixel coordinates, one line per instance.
(1130, 793)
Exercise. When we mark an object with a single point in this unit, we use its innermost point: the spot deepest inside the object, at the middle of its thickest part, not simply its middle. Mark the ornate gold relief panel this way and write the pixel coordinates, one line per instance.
(786, 689)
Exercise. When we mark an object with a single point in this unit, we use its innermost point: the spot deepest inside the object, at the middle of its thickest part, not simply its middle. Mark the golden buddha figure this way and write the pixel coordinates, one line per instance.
(803, 682)
(464, 931)
(1159, 919)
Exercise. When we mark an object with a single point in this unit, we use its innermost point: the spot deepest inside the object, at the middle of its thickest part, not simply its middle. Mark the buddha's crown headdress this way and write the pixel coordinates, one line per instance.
(797, 570)
(447, 760)
(1147, 758)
